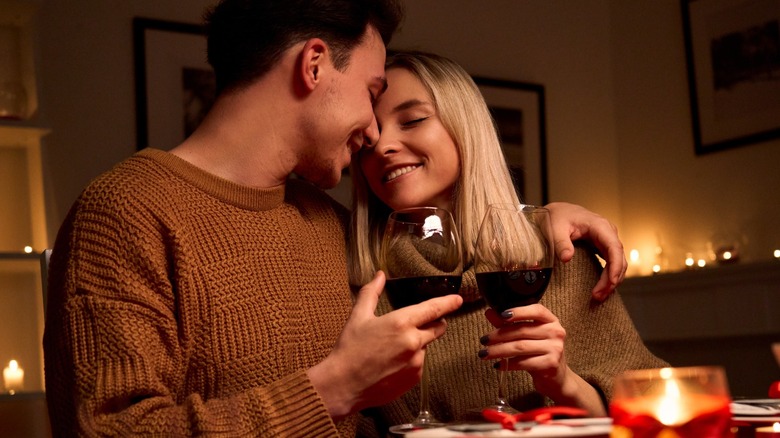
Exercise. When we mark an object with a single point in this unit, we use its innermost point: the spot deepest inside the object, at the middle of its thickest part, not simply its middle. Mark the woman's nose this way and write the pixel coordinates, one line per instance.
(386, 145)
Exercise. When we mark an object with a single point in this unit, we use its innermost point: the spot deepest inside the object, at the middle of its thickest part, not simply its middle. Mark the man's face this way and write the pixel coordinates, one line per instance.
(344, 119)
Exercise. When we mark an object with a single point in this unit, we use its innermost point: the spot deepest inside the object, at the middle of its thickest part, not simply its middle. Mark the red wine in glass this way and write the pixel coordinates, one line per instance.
(507, 289)
(402, 292)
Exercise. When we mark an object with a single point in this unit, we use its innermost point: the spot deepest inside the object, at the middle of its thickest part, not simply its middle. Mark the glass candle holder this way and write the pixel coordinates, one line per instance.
(691, 402)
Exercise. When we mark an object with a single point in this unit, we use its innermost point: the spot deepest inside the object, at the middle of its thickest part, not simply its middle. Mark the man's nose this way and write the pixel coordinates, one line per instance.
(371, 134)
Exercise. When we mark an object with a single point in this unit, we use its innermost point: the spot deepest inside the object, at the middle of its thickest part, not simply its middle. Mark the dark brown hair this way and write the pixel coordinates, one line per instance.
(247, 37)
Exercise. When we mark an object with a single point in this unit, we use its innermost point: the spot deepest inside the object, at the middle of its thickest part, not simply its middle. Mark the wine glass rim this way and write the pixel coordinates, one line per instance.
(515, 206)
(424, 207)
(669, 372)
(398, 215)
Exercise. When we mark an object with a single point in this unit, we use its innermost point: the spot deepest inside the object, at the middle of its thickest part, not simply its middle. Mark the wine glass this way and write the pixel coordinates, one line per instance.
(422, 259)
(513, 262)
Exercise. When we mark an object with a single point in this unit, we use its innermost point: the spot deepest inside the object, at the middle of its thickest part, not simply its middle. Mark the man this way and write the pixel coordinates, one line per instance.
(203, 291)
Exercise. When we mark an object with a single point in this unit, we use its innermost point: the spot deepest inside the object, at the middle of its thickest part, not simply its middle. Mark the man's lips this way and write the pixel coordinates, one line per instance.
(400, 171)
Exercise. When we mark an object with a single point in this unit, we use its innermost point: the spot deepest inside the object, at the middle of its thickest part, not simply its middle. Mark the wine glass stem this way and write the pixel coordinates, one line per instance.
(425, 416)
(502, 384)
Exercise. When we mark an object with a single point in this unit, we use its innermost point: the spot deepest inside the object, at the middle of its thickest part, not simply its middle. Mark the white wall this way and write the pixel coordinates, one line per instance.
(619, 129)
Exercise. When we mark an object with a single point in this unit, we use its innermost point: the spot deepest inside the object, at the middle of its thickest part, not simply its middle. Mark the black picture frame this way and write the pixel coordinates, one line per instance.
(734, 98)
(173, 82)
(520, 114)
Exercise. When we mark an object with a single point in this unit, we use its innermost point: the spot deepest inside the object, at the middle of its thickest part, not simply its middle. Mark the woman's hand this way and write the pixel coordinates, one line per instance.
(572, 222)
(532, 339)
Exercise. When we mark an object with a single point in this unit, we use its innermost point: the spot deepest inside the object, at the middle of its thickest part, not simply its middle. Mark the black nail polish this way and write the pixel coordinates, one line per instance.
(484, 340)
(506, 314)
(482, 353)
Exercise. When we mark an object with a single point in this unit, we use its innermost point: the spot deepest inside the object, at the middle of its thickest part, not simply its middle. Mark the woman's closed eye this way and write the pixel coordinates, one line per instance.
(413, 122)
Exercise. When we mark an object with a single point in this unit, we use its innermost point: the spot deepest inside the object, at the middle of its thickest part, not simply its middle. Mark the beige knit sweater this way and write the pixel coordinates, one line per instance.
(183, 304)
(601, 342)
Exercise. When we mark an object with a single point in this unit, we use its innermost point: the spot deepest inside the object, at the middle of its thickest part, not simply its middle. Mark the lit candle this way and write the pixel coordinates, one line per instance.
(769, 431)
(727, 254)
(693, 399)
(670, 408)
(13, 376)
(776, 253)
(633, 263)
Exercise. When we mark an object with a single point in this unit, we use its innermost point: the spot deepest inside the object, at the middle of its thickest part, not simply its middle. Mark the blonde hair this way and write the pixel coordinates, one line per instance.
(484, 177)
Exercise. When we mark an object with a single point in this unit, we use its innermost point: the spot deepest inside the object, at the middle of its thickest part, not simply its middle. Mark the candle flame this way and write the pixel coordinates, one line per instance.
(14, 365)
(776, 427)
(669, 409)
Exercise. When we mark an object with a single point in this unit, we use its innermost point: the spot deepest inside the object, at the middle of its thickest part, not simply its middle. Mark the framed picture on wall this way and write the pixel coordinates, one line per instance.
(174, 85)
(519, 111)
(733, 55)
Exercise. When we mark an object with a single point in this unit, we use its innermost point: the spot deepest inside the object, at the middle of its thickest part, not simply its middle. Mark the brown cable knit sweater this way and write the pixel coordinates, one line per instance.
(601, 342)
(183, 304)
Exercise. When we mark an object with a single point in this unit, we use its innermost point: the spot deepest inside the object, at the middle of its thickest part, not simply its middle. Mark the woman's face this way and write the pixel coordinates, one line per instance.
(415, 162)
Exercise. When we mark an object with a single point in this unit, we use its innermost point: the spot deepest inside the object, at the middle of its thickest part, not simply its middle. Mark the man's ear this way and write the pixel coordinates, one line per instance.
(314, 62)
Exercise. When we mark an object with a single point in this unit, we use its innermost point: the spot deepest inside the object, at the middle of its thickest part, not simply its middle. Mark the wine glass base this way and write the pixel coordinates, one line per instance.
(475, 414)
(502, 408)
(410, 427)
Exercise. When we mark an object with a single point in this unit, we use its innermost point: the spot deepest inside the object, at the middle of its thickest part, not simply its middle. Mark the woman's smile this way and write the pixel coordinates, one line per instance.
(399, 172)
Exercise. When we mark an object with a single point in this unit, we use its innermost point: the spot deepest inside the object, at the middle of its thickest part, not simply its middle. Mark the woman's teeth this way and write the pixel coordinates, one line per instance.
(398, 172)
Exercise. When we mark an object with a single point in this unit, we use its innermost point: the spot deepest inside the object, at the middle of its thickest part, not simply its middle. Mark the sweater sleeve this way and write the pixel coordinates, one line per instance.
(601, 340)
(116, 349)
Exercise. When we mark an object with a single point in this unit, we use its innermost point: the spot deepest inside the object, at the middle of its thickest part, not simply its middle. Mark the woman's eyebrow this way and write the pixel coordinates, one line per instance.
(409, 104)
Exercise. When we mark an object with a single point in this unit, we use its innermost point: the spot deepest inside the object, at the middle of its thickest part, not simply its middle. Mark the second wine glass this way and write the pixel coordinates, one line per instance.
(513, 261)
(422, 259)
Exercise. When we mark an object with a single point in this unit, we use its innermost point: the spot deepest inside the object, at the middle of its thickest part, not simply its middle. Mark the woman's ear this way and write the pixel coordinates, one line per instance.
(314, 58)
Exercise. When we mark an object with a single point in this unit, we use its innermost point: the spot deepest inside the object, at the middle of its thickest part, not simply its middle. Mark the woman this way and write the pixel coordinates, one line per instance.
(438, 146)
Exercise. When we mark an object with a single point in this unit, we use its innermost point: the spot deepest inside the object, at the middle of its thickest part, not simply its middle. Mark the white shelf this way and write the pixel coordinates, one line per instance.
(22, 213)
(724, 301)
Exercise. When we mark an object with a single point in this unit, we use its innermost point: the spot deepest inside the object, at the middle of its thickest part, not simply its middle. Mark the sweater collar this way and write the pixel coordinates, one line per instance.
(249, 198)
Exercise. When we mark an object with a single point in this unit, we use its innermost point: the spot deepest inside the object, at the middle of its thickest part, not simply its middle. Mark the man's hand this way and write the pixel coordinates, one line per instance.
(572, 222)
(377, 359)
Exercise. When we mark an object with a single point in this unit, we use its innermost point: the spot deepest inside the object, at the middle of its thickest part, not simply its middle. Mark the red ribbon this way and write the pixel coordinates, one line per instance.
(541, 415)
(714, 424)
(774, 389)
